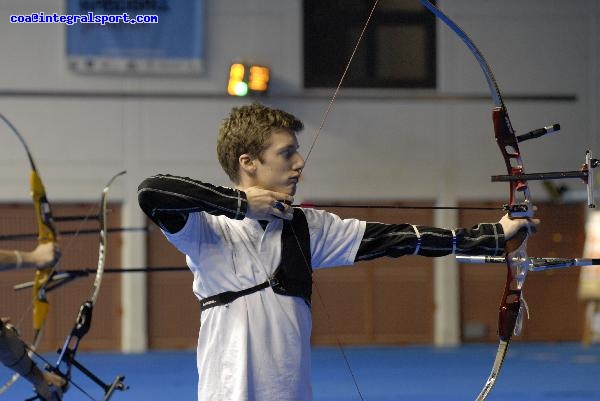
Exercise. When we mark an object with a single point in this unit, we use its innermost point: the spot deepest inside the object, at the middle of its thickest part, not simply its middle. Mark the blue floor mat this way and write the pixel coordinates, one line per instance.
(532, 372)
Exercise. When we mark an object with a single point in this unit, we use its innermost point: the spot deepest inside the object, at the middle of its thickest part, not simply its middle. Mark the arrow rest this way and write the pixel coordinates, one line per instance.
(517, 210)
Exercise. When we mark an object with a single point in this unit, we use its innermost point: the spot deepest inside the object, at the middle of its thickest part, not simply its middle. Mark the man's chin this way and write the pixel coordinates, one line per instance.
(287, 190)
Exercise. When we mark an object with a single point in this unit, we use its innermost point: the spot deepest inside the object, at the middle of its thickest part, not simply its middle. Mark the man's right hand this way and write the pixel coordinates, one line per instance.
(268, 205)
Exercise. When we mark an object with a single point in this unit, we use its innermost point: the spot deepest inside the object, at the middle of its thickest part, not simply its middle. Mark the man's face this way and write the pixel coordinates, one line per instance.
(281, 163)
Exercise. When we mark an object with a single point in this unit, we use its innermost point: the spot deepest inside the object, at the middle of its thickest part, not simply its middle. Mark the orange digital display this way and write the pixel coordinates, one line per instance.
(248, 79)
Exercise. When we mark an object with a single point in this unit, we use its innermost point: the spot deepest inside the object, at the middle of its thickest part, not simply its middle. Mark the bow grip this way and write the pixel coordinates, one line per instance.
(40, 303)
(84, 320)
(508, 315)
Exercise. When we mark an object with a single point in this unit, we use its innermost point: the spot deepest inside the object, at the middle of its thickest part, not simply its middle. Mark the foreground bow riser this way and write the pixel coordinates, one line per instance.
(520, 205)
(513, 305)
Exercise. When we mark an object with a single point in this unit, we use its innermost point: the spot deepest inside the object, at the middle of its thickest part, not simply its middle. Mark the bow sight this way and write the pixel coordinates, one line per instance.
(585, 173)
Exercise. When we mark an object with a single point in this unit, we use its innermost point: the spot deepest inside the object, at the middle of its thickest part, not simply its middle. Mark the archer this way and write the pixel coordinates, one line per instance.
(252, 255)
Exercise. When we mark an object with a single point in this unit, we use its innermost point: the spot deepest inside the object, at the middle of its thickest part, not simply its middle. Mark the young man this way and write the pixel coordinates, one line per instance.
(252, 256)
(13, 351)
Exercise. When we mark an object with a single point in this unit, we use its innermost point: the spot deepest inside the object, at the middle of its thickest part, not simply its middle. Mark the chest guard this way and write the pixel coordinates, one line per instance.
(293, 276)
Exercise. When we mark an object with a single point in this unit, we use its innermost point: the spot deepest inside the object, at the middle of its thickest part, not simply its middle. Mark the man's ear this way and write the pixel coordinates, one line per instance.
(247, 163)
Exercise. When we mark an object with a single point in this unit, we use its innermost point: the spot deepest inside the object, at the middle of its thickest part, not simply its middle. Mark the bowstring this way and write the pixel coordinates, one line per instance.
(306, 158)
(339, 85)
(328, 316)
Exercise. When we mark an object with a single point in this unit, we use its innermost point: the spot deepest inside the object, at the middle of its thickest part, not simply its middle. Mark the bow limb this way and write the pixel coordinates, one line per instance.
(520, 205)
(103, 238)
(46, 233)
(83, 321)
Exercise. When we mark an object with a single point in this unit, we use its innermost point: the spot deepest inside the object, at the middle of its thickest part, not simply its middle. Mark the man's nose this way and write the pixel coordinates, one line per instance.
(299, 162)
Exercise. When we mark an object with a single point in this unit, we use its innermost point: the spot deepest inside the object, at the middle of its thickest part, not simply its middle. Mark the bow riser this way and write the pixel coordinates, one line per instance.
(520, 204)
(46, 233)
(520, 198)
(513, 306)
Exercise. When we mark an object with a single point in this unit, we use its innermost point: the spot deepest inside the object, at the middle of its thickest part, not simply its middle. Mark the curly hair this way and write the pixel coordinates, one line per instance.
(248, 129)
